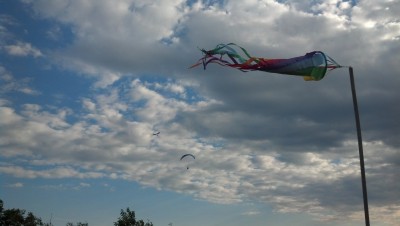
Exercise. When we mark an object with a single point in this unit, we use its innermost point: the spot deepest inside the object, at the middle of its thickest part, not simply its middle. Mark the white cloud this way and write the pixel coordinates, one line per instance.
(380, 18)
(22, 49)
(223, 175)
(55, 173)
(54, 33)
(16, 185)
(251, 213)
(11, 84)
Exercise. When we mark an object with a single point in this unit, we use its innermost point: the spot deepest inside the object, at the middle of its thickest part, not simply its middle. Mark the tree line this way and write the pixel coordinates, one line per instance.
(19, 217)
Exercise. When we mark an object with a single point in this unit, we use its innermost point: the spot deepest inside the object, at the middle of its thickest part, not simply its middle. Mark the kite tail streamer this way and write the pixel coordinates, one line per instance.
(312, 66)
(236, 60)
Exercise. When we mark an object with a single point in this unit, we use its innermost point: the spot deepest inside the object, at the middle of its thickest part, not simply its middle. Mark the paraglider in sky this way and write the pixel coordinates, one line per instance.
(187, 156)
(312, 66)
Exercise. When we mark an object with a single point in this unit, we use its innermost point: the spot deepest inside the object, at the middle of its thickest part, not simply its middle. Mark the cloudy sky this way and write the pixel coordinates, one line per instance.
(85, 84)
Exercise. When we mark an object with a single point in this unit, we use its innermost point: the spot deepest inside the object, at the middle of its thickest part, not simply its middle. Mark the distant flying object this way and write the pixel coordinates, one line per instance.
(186, 155)
(156, 133)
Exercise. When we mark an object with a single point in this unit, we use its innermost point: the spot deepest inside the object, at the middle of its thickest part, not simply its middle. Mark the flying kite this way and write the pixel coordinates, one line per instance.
(156, 133)
(312, 66)
(187, 155)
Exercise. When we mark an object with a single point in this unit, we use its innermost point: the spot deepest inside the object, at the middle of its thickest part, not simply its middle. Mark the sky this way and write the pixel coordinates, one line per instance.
(85, 84)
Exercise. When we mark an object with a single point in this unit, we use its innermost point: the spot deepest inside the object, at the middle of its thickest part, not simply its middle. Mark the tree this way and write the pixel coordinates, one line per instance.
(13, 217)
(31, 220)
(77, 224)
(16, 217)
(128, 218)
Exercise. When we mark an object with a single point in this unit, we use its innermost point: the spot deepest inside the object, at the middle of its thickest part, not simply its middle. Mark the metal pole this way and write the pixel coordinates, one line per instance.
(360, 148)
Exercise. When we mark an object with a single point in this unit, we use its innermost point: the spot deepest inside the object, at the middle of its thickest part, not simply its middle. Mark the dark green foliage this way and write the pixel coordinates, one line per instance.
(77, 224)
(31, 220)
(13, 217)
(16, 217)
(128, 218)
